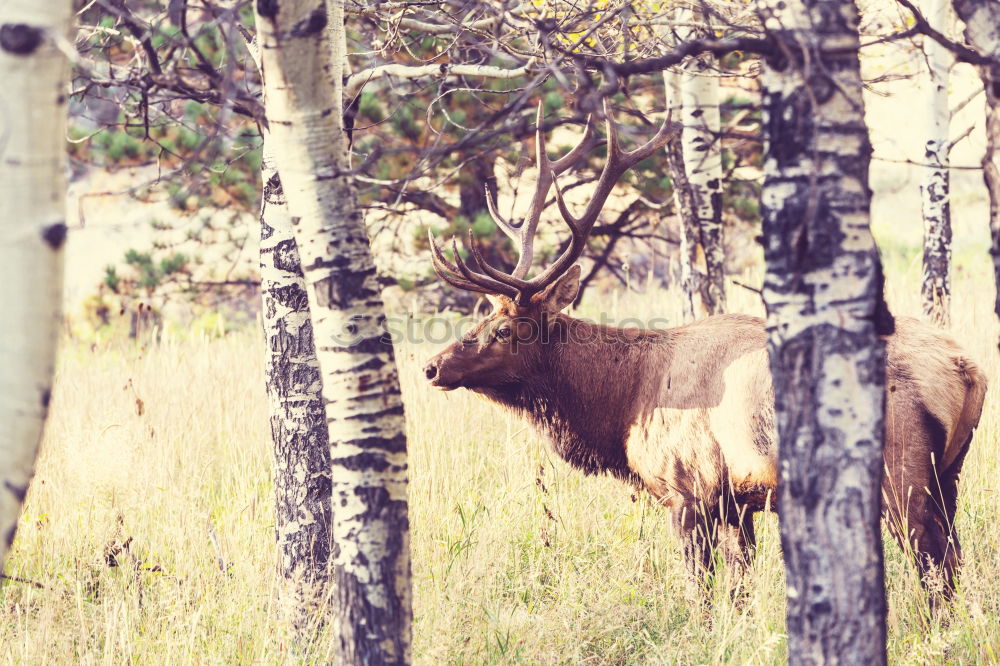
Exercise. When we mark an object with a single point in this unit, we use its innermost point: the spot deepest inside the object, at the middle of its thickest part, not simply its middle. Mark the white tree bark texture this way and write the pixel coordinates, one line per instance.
(693, 272)
(935, 289)
(701, 136)
(33, 76)
(825, 312)
(298, 419)
(982, 32)
(303, 56)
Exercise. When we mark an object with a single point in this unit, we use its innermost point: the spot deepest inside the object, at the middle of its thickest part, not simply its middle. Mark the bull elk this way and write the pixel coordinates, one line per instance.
(688, 412)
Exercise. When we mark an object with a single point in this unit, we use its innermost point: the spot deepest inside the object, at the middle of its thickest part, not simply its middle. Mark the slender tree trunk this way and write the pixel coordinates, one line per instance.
(935, 197)
(699, 87)
(982, 32)
(32, 215)
(991, 170)
(298, 420)
(691, 251)
(303, 54)
(303, 520)
(823, 292)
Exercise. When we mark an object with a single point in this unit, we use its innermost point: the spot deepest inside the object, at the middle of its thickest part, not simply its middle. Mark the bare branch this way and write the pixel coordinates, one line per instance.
(358, 80)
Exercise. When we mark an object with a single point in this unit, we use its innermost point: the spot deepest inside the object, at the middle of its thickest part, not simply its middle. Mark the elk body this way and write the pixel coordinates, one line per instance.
(688, 412)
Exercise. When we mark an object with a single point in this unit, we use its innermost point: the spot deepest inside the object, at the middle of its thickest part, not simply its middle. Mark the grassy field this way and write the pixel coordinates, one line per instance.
(149, 525)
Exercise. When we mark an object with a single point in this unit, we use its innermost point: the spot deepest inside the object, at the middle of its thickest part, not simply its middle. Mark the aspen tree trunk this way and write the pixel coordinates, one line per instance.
(991, 169)
(702, 126)
(982, 32)
(32, 216)
(303, 520)
(935, 289)
(303, 55)
(823, 292)
(298, 419)
(690, 250)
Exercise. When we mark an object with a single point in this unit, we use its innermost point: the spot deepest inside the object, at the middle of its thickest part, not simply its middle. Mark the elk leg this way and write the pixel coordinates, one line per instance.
(697, 526)
(949, 507)
(924, 528)
(737, 538)
(919, 505)
(943, 532)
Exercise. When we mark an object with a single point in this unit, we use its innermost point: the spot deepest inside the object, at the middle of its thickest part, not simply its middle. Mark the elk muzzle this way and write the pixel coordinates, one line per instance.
(440, 373)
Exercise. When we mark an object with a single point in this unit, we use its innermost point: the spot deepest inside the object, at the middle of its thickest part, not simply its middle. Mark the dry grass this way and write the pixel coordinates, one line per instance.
(516, 556)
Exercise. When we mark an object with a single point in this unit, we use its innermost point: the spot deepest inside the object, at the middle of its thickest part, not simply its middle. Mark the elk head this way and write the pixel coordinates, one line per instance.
(504, 348)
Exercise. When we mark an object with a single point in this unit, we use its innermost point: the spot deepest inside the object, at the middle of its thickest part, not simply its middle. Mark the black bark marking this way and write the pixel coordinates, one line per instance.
(790, 118)
(395, 444)
(375, 416)
(11, 531)
(268, 8)
(292, 296)
(312, 24)
(339, 292)
(46, 398)
(286, 257)
(273, 192)
(362, 461)
(379, 344)
(20, 39)
(55, 235)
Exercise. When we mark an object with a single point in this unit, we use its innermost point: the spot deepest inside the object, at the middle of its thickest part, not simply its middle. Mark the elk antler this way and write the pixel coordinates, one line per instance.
(514, 284)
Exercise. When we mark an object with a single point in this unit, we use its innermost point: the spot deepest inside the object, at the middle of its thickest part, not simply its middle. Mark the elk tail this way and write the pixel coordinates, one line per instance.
(972, 409)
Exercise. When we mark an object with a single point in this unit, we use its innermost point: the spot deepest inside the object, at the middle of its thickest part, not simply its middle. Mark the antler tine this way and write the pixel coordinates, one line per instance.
(618, 162)
(520, 232)
(491, 285)
(450, 273)
(512, 231)
(492, 272)
(547, 170)
(515, 285)
(441, 263)
(578, 151)
(572, 252)
(540, 154)
(614, 146)
(563, 208)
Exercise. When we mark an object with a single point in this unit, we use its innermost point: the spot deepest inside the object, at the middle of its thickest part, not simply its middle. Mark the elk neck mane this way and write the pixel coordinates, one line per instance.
(585, 389)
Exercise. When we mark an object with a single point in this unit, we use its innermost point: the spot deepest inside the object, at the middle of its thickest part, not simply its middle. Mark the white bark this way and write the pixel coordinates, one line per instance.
(691, 254)
(302, 511)
(357, 80)
(935, 188)
(693, 98)
(699, 87)
(298, 423)
(303, 64)
(823, 293)
(32, 215)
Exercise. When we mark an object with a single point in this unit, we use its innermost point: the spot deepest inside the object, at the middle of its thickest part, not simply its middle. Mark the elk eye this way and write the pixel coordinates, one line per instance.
(503, 333)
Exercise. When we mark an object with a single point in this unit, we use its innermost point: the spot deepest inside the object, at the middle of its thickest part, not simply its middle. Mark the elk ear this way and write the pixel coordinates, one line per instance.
(561, 293)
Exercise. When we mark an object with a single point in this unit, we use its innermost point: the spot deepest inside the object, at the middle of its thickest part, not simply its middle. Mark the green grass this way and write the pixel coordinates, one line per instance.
(516, 557)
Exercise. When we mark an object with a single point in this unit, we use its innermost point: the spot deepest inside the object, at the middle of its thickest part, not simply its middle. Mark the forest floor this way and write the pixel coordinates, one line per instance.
(149, 528)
